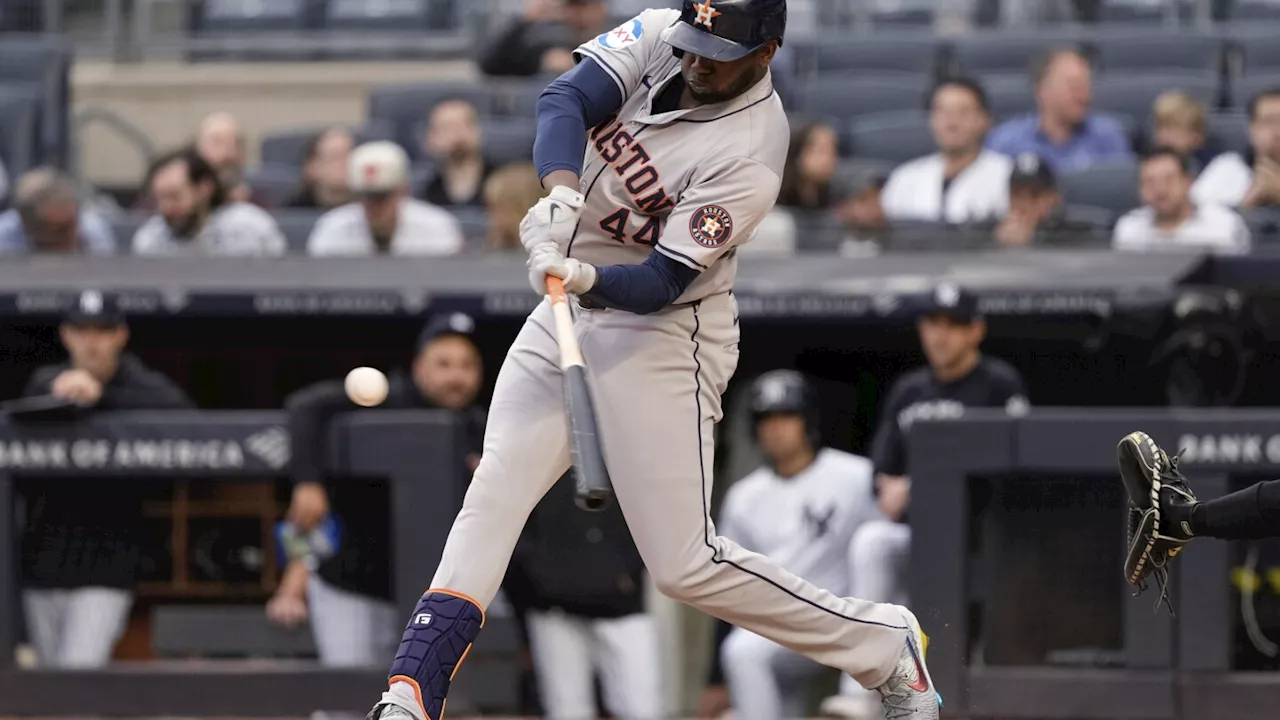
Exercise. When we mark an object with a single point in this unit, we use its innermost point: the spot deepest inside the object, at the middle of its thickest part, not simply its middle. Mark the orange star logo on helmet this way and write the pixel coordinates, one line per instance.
(705, 13)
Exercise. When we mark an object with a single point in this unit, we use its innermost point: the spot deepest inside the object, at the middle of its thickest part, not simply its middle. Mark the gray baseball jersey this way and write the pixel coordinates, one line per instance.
(692, 184)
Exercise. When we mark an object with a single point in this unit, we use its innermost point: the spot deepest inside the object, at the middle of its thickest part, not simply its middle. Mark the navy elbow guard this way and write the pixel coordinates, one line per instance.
(434, 644)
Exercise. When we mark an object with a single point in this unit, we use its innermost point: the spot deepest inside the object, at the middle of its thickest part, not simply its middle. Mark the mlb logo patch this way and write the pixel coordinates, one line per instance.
(625, 34)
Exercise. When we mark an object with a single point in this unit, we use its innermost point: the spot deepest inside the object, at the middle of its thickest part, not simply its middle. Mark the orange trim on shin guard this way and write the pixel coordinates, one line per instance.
(460, 596)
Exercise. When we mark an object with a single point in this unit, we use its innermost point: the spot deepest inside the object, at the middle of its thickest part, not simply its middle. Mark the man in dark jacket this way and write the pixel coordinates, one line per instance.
(543, 38)
(339, 573)
(577, 581)
(80, 548)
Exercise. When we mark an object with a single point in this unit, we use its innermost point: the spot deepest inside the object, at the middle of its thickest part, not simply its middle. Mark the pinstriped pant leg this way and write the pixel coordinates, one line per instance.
(630, 669)
(95, 620)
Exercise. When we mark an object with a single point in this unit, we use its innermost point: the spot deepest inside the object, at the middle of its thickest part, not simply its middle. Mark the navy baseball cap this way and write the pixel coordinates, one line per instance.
(455, 323)
(93, 308)
(1032, 172)
(951, 301)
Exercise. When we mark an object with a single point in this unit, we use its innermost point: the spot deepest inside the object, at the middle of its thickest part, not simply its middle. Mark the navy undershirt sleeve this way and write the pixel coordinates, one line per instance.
(644, 288)
(579, 99)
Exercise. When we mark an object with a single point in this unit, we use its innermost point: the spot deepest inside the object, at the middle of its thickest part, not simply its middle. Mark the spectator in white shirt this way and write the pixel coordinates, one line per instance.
(385, 220)
(1251, 180)
(194, 216)
(1170, 220)
(962, 182)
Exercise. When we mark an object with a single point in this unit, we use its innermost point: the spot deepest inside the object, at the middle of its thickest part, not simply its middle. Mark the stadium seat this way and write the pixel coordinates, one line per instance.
(475, 225)
(817, 232)
(845, 96)
(892, 136)
(509, 140)
(257, 30)
(1132, 94)
(239, 16)
(1241, 11)
(44, 63)
(1257, 49)
(296, 226)
(984, 54)
(1098, 217)
(1112, 186)
(887, 51)
(1162, 50)
(405, 107)
(1009, 95)
(277, 183)
(1135, 12)
(1245, 88)
(124, 227)
(517, 98)
(1264, 224)
(287, 147)
(19, 129)
(1229, 132)
(912, 17)
(377, 15)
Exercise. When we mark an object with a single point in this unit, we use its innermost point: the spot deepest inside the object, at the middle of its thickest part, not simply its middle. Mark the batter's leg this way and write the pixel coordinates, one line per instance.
(630, 666)
(878, 557)
(526, 449)
(561, 649)
(658, 380)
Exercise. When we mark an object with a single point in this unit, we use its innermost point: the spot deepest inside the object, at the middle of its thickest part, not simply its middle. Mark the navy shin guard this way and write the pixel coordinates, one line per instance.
(434, 644)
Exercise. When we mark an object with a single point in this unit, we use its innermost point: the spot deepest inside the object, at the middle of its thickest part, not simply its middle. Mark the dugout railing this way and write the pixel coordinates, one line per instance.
(1170, 667)
(418, 453)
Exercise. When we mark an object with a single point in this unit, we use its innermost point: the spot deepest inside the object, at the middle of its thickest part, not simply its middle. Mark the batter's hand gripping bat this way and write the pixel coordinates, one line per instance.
(591, 477)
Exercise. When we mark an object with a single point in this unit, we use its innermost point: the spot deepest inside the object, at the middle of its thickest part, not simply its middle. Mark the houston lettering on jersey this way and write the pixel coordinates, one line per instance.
(628, 158)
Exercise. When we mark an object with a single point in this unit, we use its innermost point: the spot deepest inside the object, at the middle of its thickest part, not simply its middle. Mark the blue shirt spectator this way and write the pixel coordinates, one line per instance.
(47, 218)
(1063, 131)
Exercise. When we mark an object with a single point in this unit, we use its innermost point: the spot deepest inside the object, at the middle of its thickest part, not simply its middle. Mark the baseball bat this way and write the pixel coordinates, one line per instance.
(591, 477)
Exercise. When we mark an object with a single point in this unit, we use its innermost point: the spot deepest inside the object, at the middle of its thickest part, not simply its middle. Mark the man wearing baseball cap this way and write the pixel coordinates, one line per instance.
(958, 376)
(385, 219)
(81, 544)
(1036, 214)
(346, 588)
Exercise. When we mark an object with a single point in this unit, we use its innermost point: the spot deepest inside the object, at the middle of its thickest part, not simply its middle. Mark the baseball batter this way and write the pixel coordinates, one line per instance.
(685, 142)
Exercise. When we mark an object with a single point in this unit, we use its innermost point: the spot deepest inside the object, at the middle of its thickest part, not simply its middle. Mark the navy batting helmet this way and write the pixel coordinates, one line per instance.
(727, 29)
(786, 391)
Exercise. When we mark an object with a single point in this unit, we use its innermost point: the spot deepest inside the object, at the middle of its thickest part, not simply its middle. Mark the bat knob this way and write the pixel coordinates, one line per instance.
(594, 502)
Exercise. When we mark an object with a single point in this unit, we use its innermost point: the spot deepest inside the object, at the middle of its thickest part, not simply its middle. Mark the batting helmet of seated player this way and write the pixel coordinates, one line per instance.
(726, 30)
(786, 392)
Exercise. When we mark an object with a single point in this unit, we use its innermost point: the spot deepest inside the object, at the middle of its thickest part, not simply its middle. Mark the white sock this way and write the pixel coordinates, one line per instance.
(401, 694)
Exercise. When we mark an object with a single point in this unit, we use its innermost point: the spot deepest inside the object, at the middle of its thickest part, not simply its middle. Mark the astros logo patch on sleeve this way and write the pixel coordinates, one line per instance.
(711, 226)
(621, 36)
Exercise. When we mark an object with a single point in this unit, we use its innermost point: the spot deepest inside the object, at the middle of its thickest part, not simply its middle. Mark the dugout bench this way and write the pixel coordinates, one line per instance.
(1170, 668)
(400, 446)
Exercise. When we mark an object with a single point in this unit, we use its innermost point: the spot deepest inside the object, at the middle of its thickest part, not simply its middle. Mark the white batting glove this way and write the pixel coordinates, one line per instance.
(578, 277)
(552, 219)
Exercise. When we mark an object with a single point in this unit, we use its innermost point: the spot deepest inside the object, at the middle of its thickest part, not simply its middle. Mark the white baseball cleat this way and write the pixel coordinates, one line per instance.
(909, 693)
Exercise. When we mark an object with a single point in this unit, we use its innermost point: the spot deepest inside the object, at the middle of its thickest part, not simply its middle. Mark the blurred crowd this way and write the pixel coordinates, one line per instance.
(1168, 183)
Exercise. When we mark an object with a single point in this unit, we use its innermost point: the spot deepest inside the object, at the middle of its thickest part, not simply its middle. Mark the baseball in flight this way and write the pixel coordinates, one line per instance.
(366, 386)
